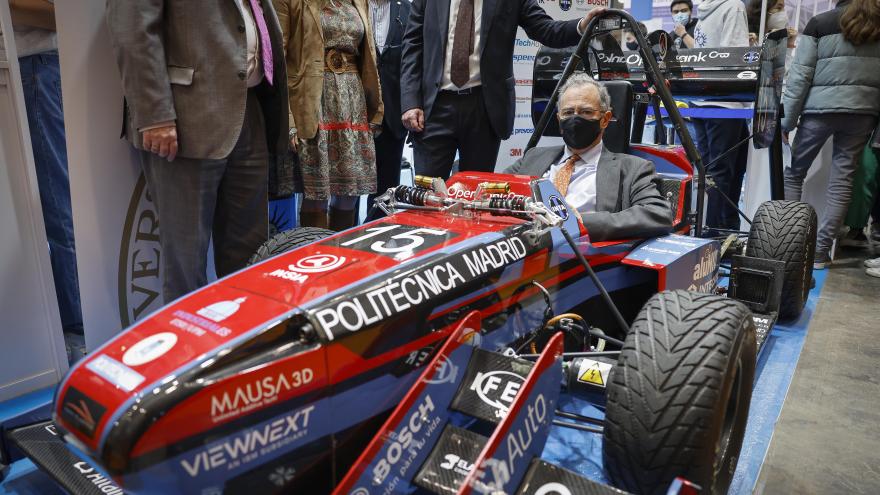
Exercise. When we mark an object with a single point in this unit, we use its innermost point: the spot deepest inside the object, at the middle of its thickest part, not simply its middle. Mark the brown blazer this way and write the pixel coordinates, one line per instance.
(304, 51)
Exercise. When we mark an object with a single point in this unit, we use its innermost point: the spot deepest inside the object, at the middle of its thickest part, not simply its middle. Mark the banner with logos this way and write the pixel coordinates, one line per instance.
(523, 62)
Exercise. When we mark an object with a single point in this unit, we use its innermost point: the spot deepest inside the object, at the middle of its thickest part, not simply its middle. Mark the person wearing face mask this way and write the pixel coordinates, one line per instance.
(683, 33)
(614, 194)
(776, 18)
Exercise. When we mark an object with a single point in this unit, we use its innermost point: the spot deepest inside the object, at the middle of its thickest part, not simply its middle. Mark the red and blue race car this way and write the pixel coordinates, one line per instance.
(437, 349)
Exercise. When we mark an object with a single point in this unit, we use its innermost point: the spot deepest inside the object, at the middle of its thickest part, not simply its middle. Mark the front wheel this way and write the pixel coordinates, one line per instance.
(288, 240)
(678, 397)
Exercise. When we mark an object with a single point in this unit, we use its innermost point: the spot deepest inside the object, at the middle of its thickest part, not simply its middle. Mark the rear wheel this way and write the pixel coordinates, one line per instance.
(288, 240)
(786, 231)
(678, 397)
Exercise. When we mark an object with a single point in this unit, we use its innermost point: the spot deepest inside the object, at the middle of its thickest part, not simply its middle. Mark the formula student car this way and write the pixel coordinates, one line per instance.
(425, 352)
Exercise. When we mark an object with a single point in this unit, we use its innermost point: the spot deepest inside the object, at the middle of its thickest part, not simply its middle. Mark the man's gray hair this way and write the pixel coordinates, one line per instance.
(580, 79)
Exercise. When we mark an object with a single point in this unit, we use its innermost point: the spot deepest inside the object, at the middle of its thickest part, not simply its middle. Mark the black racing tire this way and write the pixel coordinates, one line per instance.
(678, 397)
(786, 231)
(288, 240)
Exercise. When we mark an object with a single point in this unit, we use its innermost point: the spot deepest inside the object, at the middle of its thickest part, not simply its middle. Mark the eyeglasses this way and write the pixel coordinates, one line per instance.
(580, 111)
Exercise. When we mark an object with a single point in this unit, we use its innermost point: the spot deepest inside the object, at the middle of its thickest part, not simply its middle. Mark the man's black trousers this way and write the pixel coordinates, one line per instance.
(458, 123)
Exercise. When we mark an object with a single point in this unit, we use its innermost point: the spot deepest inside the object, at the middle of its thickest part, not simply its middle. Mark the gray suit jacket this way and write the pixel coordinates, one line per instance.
(186, 61)
(628, 204)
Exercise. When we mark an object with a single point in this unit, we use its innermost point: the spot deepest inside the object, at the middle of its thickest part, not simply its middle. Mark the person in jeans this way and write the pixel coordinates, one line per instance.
(35, 38)
(833, 89)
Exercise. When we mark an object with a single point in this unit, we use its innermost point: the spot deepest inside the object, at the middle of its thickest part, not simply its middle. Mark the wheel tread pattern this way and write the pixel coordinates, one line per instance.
(287, 241)
(665, 388)
(786, 231)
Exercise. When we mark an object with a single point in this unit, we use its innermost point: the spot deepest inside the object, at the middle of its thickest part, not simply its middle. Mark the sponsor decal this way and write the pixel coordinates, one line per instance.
(565, 5)
(222, 310)
(115, 372)
(523, 82)
(197, 325)
(149, 349)
(139, 283)
(706, 271)
(282, 476)
(316, 263)
(359, 491)
(407, 439)
(497, 389)
(526, 42)
(81, 412)
(247, 447)
(516, 152)
(553, 488)
(406, 291)
(523, 59)
(456, 464)
(105, 485)
(557, 206)
(257, 393)
(747, 74)
(751, 57)
(523, 131)
(446, 372)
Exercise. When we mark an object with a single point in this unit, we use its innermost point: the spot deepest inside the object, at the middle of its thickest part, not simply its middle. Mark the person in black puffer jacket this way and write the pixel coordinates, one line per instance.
(833, 89)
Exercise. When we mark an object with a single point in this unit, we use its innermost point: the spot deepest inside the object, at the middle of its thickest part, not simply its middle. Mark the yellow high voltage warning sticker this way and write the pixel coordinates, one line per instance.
(594, 372)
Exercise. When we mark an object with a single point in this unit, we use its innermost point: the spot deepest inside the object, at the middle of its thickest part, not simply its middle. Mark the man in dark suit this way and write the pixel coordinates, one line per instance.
(457, 85)
(389, 19)
(206, 100)
(615, 194)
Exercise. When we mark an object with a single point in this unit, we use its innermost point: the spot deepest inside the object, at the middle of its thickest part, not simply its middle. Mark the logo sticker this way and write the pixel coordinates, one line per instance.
(565, 5)
(149, 349)
(558, 207)
(219, 311)
(497, 389)
(751, 57)
(318, 263)
(115, 372)
(81, 411)
(747, 74)
(553, 488)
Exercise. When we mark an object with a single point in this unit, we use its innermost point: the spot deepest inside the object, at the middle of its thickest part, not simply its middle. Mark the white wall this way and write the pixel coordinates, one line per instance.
(116, 231)
(32, 350)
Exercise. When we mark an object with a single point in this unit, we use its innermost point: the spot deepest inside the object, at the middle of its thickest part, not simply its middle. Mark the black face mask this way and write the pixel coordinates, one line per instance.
(632, 45)
(578, 132)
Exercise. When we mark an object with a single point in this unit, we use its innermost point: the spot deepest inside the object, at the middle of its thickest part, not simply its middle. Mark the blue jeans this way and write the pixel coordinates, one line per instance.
(713, 137)
(41, 80)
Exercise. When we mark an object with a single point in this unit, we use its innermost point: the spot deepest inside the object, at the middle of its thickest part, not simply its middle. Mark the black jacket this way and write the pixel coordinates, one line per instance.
(424, 51)
(389, 66)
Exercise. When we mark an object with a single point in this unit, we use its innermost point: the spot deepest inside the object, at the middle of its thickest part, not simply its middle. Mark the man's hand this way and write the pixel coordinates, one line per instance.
(162, 141)
(680, 30)
(582, 26)
(414, 120)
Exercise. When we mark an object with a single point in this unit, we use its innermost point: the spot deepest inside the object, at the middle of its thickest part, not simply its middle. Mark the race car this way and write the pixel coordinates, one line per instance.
(436, 350)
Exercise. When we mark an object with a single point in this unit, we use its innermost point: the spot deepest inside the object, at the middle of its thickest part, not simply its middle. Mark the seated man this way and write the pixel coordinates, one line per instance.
(615, 194)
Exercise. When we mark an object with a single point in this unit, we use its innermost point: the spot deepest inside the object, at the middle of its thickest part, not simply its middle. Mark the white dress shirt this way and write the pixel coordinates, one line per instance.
(582, 188)
(380, 15)
(475, 55)
(254, 66)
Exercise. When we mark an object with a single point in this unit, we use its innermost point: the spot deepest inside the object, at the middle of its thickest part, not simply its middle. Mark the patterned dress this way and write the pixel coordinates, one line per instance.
(341, 158)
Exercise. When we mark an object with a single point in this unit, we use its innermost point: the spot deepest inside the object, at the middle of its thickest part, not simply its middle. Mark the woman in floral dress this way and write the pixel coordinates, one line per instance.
(335, 105)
